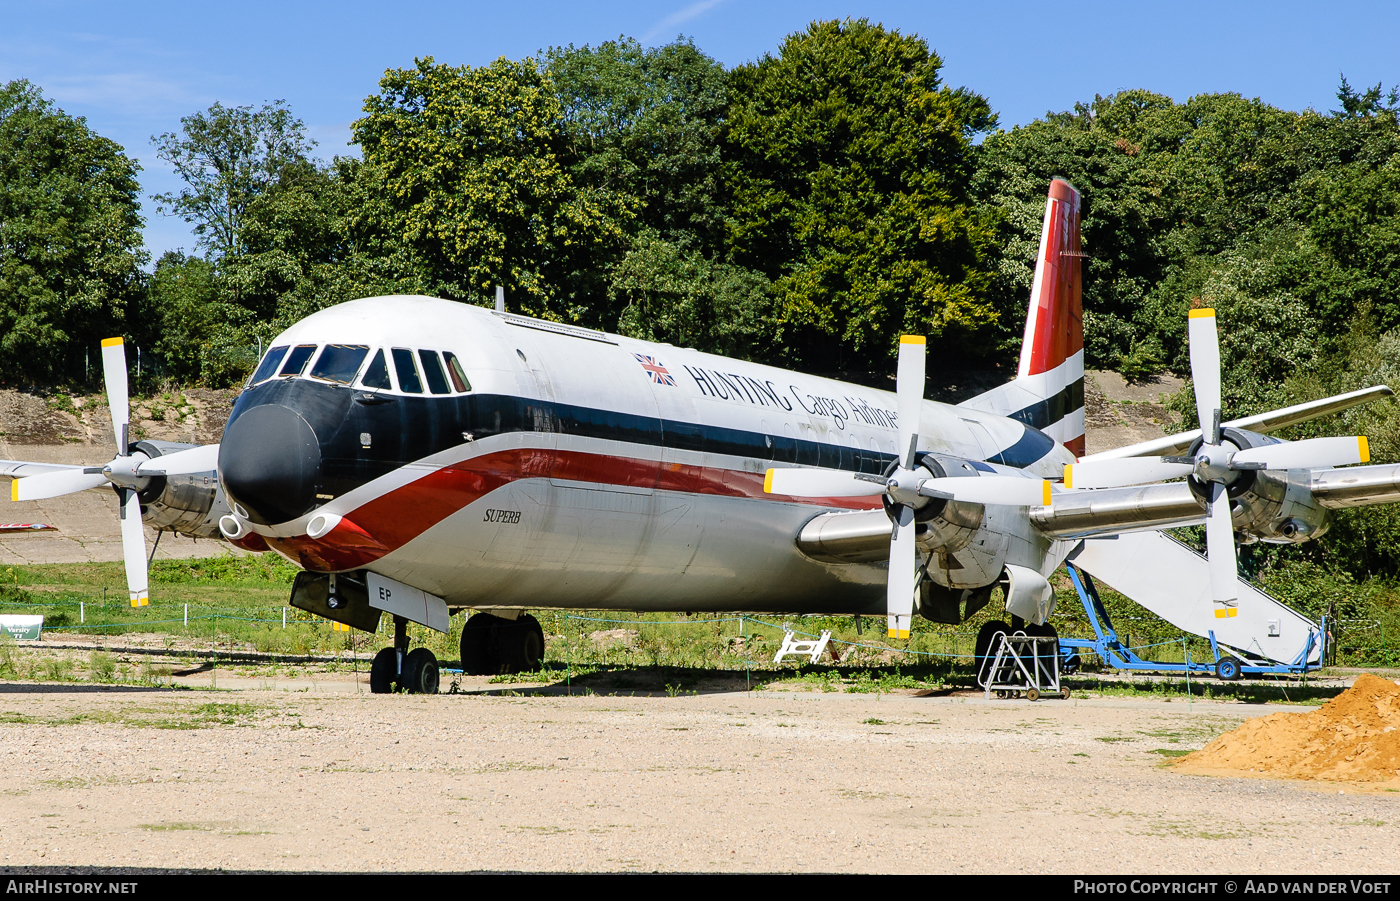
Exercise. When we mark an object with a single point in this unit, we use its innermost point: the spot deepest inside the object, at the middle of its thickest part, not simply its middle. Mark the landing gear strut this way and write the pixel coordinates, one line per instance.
(394, 668)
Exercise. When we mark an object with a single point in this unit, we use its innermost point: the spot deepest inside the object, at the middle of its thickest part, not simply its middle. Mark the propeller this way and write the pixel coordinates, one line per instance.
(128, 473)
(904, 486)
(1215, 463)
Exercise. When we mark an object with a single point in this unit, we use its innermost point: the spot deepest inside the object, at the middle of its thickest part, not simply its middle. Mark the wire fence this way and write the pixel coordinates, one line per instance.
(734, 641)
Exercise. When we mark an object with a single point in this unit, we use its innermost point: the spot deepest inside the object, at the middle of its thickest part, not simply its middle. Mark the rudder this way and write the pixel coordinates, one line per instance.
(1048, 393)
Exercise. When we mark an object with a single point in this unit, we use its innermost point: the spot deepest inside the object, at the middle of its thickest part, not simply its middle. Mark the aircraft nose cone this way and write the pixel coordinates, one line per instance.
(270, 464)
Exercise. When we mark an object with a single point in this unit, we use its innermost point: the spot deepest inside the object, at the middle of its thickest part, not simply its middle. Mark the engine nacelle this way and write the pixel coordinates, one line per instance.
(189, 504)
(967, 542)
(1273, 506)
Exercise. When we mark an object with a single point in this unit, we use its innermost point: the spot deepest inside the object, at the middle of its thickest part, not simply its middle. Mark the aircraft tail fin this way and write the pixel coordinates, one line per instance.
(1048, 393)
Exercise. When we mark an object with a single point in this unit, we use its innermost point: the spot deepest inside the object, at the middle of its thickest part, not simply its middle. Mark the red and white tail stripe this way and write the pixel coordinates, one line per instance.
(1048, 392)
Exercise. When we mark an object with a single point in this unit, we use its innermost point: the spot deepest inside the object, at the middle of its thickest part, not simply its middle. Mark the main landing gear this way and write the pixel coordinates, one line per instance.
(492, 645)
(395, 668)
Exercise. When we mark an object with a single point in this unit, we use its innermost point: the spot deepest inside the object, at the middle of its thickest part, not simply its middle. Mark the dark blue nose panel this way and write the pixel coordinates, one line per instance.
(270, 463)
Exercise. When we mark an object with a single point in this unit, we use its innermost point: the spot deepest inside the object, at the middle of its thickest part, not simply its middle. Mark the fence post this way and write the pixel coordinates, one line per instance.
(743, 635)
(187, 616)
(1186, 656)
(284, 618)
(82, 612)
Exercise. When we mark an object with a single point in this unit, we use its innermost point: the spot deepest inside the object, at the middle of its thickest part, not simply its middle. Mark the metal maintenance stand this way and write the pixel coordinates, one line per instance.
(1024, 663)
(812, 648)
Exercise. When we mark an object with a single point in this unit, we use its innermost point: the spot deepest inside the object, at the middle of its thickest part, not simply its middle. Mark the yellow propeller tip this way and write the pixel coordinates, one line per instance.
(1069, 475)
(913, 339)
(14, 489)
(768, 482)
(112, 342)
(1203, 313)
(1045, 492)
(1364, 448)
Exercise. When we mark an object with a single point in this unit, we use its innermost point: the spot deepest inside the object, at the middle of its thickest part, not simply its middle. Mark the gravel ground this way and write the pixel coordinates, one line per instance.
(316, 775)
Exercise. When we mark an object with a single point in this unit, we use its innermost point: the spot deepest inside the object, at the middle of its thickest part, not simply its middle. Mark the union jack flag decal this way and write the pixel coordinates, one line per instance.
(658, 373)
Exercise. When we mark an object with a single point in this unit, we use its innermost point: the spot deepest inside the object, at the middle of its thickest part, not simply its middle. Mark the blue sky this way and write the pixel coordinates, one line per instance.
(134, 69)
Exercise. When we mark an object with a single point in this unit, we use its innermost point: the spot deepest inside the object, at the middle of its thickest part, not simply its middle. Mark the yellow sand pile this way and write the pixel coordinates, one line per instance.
(1355, 737)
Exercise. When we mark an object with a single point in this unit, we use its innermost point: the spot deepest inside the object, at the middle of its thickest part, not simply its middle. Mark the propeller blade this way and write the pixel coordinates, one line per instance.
(1205, 370)
(1220, 547)
(134, 548)
(196, 459)
(909, 394)
(1125, 471)
(55, 484)
(1009, 490)
(1310, 453)
(899, 589)
(808, 483)
(118, 402)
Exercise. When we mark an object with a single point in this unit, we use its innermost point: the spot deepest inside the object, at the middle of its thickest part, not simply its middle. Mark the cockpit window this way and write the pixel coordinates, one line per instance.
(296, 360)
(376, 373)
(268, 365)
(432, 371)
(454, 371)
(409, 383)
(339, 362)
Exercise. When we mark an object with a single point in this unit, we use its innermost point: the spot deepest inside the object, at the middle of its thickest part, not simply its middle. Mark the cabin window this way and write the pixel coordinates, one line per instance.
(432, 371)
(454, 370)
(296, 360)
(339, 362)
(409, 383)
(376, 373)
(268, 365)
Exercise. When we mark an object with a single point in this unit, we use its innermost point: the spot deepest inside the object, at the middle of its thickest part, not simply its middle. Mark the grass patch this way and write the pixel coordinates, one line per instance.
(238, 602)
(179, 827)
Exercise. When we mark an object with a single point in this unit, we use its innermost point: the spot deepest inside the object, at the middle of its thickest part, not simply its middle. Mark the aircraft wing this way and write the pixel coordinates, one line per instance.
(1265, 423)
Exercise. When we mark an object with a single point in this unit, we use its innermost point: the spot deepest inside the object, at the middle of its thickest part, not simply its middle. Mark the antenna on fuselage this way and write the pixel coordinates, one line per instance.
(500, 299)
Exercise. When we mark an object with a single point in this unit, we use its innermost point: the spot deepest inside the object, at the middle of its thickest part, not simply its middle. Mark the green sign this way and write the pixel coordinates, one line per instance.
(22, 628)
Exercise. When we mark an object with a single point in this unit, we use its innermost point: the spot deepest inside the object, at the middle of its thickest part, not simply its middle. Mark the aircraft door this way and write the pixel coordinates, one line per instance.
(542, 439)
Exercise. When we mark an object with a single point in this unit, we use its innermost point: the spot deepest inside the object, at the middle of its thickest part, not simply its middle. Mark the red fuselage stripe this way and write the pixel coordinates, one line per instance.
(397, 517)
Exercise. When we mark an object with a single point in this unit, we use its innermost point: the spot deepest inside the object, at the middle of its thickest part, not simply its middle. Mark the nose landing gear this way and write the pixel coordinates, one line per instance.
(396, 668)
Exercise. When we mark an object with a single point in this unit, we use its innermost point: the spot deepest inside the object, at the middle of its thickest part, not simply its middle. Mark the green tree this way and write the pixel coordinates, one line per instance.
(228, 157)
(848, 167)
(645, 123)
(70, 237)
(185, 312)
(680, 297)
(473, 175)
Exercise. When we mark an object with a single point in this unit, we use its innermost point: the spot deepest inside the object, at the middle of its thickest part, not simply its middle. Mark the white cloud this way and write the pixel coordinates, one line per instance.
(692, 11)
(127, 92)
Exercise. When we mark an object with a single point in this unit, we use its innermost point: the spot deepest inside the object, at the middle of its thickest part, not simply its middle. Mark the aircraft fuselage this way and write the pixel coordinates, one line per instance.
(578, 469)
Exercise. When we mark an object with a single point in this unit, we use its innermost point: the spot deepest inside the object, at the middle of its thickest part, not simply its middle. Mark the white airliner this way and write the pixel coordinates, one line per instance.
(422, 457)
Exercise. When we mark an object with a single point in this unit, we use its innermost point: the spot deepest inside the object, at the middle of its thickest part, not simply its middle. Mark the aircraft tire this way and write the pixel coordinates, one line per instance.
(1045, 653)
(519, 644)
(478, 646)
(420, 672)
(381, 672)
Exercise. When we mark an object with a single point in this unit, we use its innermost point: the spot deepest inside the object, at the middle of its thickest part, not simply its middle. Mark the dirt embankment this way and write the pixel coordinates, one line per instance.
(53, 427)
(1355, 737)
(191, 415)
